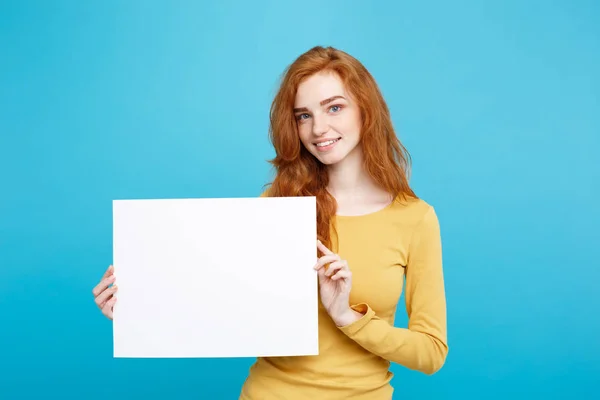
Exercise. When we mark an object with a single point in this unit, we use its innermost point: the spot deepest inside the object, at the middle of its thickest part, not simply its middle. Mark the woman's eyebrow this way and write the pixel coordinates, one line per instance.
(323, 102)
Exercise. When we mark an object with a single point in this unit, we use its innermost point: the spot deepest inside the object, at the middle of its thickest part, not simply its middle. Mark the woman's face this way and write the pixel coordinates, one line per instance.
(328, 119)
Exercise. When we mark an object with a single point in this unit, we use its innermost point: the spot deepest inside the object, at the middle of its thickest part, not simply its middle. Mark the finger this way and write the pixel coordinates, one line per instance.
(326, 260)
(107, 310)
(104, 283)
(109, 271)
(103, 297)
(323, 249)
(334, 267)
(321, 275)
(342, 274)
(102, 304)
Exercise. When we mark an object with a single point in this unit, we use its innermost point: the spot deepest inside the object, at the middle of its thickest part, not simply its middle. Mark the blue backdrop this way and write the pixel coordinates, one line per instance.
(498, 103)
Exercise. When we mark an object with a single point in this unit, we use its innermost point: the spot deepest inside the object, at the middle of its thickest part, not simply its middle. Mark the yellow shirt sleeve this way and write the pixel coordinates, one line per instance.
(423, 345)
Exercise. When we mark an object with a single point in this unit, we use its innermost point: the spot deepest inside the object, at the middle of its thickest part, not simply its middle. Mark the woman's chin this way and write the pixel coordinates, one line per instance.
(328, 159)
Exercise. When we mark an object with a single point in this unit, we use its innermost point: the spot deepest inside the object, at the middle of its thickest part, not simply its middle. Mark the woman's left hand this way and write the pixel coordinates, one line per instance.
(335, 283)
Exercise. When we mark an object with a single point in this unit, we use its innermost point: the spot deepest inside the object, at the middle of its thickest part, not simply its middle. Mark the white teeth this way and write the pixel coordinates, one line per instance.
(326, 143)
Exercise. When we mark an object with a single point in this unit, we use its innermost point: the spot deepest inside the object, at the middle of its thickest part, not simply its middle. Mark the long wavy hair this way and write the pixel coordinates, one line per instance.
(299, 173)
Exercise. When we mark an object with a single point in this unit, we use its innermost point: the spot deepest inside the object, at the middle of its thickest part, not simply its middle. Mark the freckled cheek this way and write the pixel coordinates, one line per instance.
(304, 134)
(352, 129)
(347, 128)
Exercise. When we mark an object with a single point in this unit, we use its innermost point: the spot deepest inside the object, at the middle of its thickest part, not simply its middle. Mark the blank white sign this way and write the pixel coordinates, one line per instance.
(228, 277)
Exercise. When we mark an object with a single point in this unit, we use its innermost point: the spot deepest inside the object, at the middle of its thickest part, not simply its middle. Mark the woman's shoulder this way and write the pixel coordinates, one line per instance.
(413, 209)
(266, 191)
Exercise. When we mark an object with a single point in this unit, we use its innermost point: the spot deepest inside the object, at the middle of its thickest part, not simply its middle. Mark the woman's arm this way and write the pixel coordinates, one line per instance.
(423, 345)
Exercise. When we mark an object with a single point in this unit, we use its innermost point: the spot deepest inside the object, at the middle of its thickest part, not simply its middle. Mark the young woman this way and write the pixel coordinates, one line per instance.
(334, 139)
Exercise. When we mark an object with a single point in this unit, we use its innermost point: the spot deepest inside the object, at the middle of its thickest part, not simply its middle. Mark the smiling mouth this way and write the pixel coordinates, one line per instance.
(327, 143)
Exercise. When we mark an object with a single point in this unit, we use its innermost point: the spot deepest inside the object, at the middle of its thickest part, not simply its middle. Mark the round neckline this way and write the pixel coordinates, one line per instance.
(372, 213)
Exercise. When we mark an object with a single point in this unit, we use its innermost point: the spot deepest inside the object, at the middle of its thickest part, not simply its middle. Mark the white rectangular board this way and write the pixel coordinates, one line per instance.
(226, 277)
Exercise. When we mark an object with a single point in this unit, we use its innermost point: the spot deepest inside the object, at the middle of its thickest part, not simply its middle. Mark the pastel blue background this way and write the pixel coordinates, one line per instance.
(498, 103)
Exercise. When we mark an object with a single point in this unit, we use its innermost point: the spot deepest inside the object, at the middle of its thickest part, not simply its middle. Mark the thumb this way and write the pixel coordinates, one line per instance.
(321, 274)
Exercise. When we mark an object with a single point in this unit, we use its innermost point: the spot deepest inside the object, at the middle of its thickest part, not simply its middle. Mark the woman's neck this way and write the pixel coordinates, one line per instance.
(348, 179)
(355, 192)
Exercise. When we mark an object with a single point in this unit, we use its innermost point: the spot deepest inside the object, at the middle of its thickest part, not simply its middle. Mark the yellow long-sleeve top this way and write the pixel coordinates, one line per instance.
(401, 241)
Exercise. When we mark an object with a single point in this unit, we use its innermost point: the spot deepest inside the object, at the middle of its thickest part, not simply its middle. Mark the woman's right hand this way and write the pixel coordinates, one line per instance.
(104, 295)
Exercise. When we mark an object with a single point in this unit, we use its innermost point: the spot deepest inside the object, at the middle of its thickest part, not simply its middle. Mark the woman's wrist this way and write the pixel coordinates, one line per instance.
(347, 317)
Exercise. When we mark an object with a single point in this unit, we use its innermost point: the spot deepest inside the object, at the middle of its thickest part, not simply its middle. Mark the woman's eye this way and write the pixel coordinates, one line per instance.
(301, 116)
(335, 108)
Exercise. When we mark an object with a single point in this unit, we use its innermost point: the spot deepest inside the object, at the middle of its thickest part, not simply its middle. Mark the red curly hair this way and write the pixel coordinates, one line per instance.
(299, 173)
